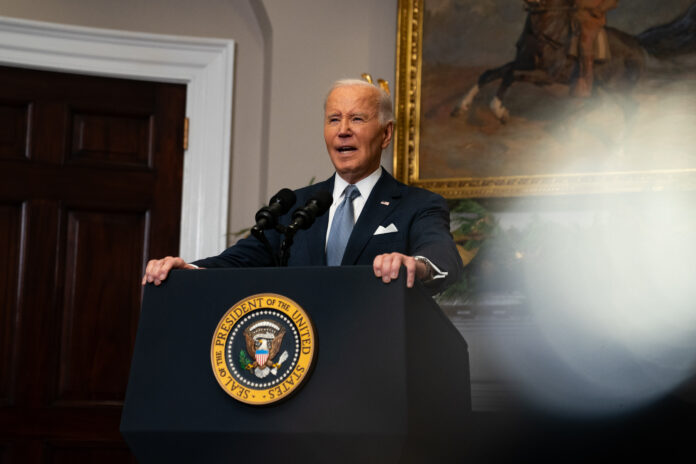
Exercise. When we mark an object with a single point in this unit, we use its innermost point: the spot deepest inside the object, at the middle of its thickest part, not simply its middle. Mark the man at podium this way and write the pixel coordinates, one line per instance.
(373, 220)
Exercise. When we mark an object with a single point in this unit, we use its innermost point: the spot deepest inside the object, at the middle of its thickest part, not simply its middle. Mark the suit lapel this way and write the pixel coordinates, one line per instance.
(316, 235)
(373, 214)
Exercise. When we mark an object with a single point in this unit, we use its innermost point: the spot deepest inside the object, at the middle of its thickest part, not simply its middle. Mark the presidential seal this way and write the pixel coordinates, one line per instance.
(263, 349)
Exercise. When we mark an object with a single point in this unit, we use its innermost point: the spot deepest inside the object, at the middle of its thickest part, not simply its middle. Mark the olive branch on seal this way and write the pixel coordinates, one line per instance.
(244, 359)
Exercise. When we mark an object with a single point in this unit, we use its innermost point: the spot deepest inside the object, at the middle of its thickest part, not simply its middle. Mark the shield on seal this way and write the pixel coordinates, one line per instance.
(261, 357)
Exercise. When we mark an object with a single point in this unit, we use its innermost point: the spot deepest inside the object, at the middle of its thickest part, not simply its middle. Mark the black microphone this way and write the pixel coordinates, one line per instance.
(267, 217)
(303, 218)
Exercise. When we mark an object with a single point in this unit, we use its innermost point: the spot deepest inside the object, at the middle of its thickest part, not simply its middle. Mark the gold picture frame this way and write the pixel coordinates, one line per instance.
(409, 157)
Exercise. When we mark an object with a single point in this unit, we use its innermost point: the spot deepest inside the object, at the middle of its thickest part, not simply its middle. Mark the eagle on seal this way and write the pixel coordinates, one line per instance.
(263, 349)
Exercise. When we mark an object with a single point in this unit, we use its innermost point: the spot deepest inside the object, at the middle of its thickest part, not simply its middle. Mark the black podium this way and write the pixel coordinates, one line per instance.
(390, 381)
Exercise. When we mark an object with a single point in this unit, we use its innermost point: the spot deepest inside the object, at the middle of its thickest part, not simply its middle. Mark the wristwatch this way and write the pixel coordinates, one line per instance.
(429, 272)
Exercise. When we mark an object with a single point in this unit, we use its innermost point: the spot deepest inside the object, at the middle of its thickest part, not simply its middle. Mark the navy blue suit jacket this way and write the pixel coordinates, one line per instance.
(421, 219)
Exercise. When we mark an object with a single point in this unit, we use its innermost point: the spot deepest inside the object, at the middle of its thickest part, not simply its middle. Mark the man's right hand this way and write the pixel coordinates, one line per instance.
(158, 269)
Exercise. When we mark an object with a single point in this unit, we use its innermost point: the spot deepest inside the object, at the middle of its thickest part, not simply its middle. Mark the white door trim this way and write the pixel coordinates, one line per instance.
(204, 65)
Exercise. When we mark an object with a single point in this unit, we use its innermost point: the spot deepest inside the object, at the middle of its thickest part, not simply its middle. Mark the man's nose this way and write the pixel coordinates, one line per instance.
(344, 128)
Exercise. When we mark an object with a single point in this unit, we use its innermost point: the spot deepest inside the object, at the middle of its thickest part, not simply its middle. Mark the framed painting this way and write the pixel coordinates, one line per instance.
(487, 97)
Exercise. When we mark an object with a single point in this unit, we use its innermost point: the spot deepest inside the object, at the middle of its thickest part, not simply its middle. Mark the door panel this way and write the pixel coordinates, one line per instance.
(94, 363)
(116, 139)
(10, 252)
(14, 130)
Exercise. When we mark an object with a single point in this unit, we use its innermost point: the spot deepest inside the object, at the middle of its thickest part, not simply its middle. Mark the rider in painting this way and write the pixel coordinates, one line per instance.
(589, 17)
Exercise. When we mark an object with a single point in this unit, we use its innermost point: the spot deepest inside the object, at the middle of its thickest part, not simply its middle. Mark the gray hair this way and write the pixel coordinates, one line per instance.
(385, 111)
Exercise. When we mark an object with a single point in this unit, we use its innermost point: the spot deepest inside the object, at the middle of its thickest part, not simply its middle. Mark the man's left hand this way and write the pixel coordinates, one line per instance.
(387, 267)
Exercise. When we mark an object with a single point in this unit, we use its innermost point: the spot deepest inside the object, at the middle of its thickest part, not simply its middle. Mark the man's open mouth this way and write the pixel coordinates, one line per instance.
(346, 149)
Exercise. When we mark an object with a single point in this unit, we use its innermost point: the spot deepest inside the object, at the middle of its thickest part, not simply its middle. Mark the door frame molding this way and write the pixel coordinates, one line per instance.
(204, 65)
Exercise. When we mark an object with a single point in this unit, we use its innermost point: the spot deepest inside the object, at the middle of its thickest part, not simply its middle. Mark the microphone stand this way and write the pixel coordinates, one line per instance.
(261, 237)
(289, 232)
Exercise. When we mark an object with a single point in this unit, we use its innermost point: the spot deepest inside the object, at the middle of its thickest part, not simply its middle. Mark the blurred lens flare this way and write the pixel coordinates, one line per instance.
(613, 302)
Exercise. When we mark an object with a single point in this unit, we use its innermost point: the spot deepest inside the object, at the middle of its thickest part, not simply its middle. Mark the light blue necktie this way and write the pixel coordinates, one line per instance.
(341, 227)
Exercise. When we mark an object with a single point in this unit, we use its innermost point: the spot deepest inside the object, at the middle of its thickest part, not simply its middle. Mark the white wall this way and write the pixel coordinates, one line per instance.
(288, 53)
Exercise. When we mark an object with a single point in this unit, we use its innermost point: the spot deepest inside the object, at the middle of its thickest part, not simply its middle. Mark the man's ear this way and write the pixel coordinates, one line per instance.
(388, 132)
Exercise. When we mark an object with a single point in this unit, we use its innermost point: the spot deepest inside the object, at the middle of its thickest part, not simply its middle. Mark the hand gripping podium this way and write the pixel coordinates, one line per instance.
(390, 380)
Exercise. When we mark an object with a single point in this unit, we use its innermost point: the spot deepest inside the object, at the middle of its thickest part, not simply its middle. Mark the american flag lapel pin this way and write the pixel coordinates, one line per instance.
(385, 203)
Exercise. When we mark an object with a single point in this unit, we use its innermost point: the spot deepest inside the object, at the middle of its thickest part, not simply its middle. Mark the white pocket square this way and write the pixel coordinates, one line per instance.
(391, 228)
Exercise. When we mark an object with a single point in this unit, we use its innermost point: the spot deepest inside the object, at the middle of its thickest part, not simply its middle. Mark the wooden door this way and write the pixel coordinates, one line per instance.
(90, 187)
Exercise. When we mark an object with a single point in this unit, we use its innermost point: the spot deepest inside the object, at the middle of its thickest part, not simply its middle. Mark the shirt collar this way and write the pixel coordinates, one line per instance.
(365, 185)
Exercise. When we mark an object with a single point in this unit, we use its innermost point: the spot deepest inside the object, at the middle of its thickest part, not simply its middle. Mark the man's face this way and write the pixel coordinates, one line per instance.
(354, 137)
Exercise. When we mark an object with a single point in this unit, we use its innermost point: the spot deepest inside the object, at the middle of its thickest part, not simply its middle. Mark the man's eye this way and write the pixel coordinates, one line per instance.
(358, 119)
